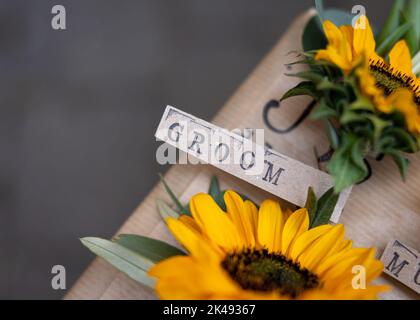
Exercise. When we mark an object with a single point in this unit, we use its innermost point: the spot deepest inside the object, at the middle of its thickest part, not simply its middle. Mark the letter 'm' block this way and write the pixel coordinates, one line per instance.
(402, 263)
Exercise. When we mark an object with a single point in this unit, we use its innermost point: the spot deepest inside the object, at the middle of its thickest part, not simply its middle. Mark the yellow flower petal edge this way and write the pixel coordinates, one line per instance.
(269, 253)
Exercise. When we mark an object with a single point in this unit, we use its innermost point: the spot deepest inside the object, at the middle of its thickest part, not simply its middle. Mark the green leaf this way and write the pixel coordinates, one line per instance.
(332, 135)
(323, 111)
(326, 206)
(392, 22)
(401, 162)
(379, 126)
(357, 154)
(311, 205)
(187, 210)
(386, 142)
(304, 88)
(216, 193)
(166, 211)
(342, 167)
(328, 85)
(173, 197)
(350, 116)
(313, 37)
(392, 39)
(319, 6)
(403, 140)
(151, 249)
(416, 64)
(338, 17)
(413, 13)
(125, 260)
(307, 75)
(214, 189)
(410, 36)
(220, 200)
(362, 104)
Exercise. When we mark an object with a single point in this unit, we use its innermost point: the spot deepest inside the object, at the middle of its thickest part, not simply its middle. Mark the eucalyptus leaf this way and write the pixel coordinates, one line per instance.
(181, 208)
(166, 211)
(149, 248)
(187, 210)
(125, 260)
(325, 209)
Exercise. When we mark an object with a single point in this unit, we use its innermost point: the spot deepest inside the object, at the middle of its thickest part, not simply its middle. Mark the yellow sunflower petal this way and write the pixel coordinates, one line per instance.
(166, 267)
(373, 266)
(400, 57)
(190, 223)
(287, 212)
(320, 249)
(341, 274)
(196, 244)
(251, 213)
(270, 225)
(333, 56)
(339, 49)
(402, 100)
(363, 39)
(295, 225)
(214, 222)
(306, 239)
(352, 256)
(348, 33)
(207, 279)
(203, 274)
(347, 245)
(237, 213)
(370, 293)
(333, 34)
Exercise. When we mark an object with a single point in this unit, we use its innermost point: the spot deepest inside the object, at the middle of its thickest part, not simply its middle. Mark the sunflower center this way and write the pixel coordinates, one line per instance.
(390, 79)
(261, 270)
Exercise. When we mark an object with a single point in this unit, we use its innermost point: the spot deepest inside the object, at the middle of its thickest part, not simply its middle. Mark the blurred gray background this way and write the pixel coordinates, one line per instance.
(79, 108)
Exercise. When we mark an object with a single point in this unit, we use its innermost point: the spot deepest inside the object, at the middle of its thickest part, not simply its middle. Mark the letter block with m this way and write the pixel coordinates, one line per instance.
(402, 263)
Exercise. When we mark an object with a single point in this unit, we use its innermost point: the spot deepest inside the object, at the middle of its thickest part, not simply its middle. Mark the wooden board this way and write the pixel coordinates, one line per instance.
(381, 209)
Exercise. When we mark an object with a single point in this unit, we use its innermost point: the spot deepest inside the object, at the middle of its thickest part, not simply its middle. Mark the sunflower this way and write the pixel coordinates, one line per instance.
(265, 253)
(348, 45)
(390, 85)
